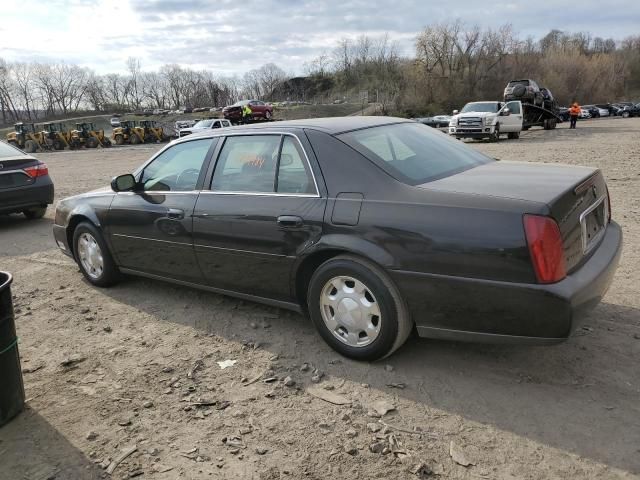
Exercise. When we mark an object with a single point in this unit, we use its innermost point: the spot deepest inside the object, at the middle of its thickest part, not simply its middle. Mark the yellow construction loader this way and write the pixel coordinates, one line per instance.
(128, 133)
(26, 137)
(153, 132)
(56, 135)
(85, 135)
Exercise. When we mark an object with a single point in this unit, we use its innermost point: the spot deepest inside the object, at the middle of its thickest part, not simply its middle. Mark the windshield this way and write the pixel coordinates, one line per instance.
(203, 124)
(414, 153)
(491, 107)
(8, 151)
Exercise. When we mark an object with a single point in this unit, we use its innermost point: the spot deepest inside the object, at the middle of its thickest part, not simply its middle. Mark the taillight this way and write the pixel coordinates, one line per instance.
(39, 170)
(545, 247)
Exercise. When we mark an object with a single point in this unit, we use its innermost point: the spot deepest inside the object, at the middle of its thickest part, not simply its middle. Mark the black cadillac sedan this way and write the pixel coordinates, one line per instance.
(370, 225)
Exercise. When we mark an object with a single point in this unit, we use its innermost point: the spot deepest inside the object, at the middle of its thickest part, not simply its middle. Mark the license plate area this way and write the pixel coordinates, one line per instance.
(593, 222)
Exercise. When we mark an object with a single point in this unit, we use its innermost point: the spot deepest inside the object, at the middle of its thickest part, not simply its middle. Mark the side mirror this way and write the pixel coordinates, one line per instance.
(123, 183)
(506, 112)
(455, 112)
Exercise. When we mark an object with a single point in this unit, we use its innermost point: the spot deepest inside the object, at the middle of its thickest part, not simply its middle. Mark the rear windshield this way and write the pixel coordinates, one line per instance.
(8, 151)
(413, 153)
(519, 82)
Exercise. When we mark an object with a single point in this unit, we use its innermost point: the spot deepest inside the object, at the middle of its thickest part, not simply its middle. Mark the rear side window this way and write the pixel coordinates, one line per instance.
(262, 164)
(413, 153)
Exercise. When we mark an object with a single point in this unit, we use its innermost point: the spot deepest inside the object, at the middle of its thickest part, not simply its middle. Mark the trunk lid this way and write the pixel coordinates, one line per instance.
(12, 174)
(576, 197)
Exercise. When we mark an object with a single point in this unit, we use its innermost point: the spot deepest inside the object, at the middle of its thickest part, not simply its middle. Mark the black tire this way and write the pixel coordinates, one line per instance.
(134, 139)
(119, 139)
(35, 212)
(626, 114)
(395, 322)
(110, 274)
(30, 146)
(92, 142)
(58, 145)
(495, 136)
(513, 135)
(267, 115)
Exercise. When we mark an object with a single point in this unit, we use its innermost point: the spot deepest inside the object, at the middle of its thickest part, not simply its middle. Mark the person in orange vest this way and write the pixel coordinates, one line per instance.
(574, 112)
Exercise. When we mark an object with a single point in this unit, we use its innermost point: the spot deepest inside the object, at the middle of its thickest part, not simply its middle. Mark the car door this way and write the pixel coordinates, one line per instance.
(151, 229)
(262, 210)
(257, 108)
(513, 121)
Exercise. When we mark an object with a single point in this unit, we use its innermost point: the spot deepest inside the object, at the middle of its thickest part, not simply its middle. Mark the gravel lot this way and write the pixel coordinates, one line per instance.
(150, 376)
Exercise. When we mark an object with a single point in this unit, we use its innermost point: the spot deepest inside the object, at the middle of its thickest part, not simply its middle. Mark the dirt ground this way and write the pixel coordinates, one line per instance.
(149, 376)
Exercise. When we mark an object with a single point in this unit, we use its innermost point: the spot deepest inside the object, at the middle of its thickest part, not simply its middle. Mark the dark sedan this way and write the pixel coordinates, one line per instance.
(370, 225)
(25, 185)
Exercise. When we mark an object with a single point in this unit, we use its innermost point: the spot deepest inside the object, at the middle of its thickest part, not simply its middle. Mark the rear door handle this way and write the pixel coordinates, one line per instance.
(290, 221)
(175, 213)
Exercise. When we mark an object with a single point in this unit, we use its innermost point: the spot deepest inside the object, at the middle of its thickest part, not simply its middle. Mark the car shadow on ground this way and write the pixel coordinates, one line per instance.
(580, 396)
(26, 235)
(30, 448)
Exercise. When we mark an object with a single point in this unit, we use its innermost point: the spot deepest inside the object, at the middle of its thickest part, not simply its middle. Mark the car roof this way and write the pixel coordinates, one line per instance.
(330, 125)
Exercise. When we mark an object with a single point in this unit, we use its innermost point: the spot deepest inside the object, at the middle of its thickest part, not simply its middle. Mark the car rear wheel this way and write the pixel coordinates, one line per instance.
(357, 309)
(514, 135)
(626, 114)
(35, 213)
(93, 256)
(267, 115)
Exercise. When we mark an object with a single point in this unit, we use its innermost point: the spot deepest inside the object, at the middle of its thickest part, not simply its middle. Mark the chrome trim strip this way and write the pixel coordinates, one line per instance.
(261, 194)
(586, 245)
(243, 252)
(152, 239)
(203, 136)
(9, 172)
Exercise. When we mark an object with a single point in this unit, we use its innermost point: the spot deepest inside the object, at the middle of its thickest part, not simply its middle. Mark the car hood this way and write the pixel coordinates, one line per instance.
(534, 182)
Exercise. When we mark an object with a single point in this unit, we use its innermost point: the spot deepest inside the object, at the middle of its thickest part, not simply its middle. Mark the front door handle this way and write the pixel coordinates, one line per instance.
(290, 221)
(175, 213)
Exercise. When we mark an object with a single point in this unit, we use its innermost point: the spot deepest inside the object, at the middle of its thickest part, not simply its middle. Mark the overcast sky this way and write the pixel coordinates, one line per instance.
(232, 36)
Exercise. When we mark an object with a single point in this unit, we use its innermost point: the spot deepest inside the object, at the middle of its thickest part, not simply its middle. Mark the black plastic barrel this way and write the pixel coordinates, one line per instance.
(11, 387)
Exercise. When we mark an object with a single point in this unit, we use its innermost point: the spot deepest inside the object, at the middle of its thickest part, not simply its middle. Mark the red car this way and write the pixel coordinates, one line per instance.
(259, 110)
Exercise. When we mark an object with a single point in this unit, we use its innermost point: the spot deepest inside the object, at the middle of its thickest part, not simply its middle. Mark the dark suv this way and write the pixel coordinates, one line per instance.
(527, 91)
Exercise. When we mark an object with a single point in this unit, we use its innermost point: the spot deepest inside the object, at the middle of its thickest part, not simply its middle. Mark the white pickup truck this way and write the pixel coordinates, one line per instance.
(487, 120)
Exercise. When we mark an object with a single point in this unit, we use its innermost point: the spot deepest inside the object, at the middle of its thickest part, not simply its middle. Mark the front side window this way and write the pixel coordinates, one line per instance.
(413, 153)
(514, 107)
(176, 169)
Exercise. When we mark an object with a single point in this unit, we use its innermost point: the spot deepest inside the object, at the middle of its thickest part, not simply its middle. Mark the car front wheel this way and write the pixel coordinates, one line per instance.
(357, 309)
(93, 256)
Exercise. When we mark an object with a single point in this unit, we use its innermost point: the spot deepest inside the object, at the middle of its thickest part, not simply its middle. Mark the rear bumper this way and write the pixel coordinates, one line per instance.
(470, 309)
(20, 198)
